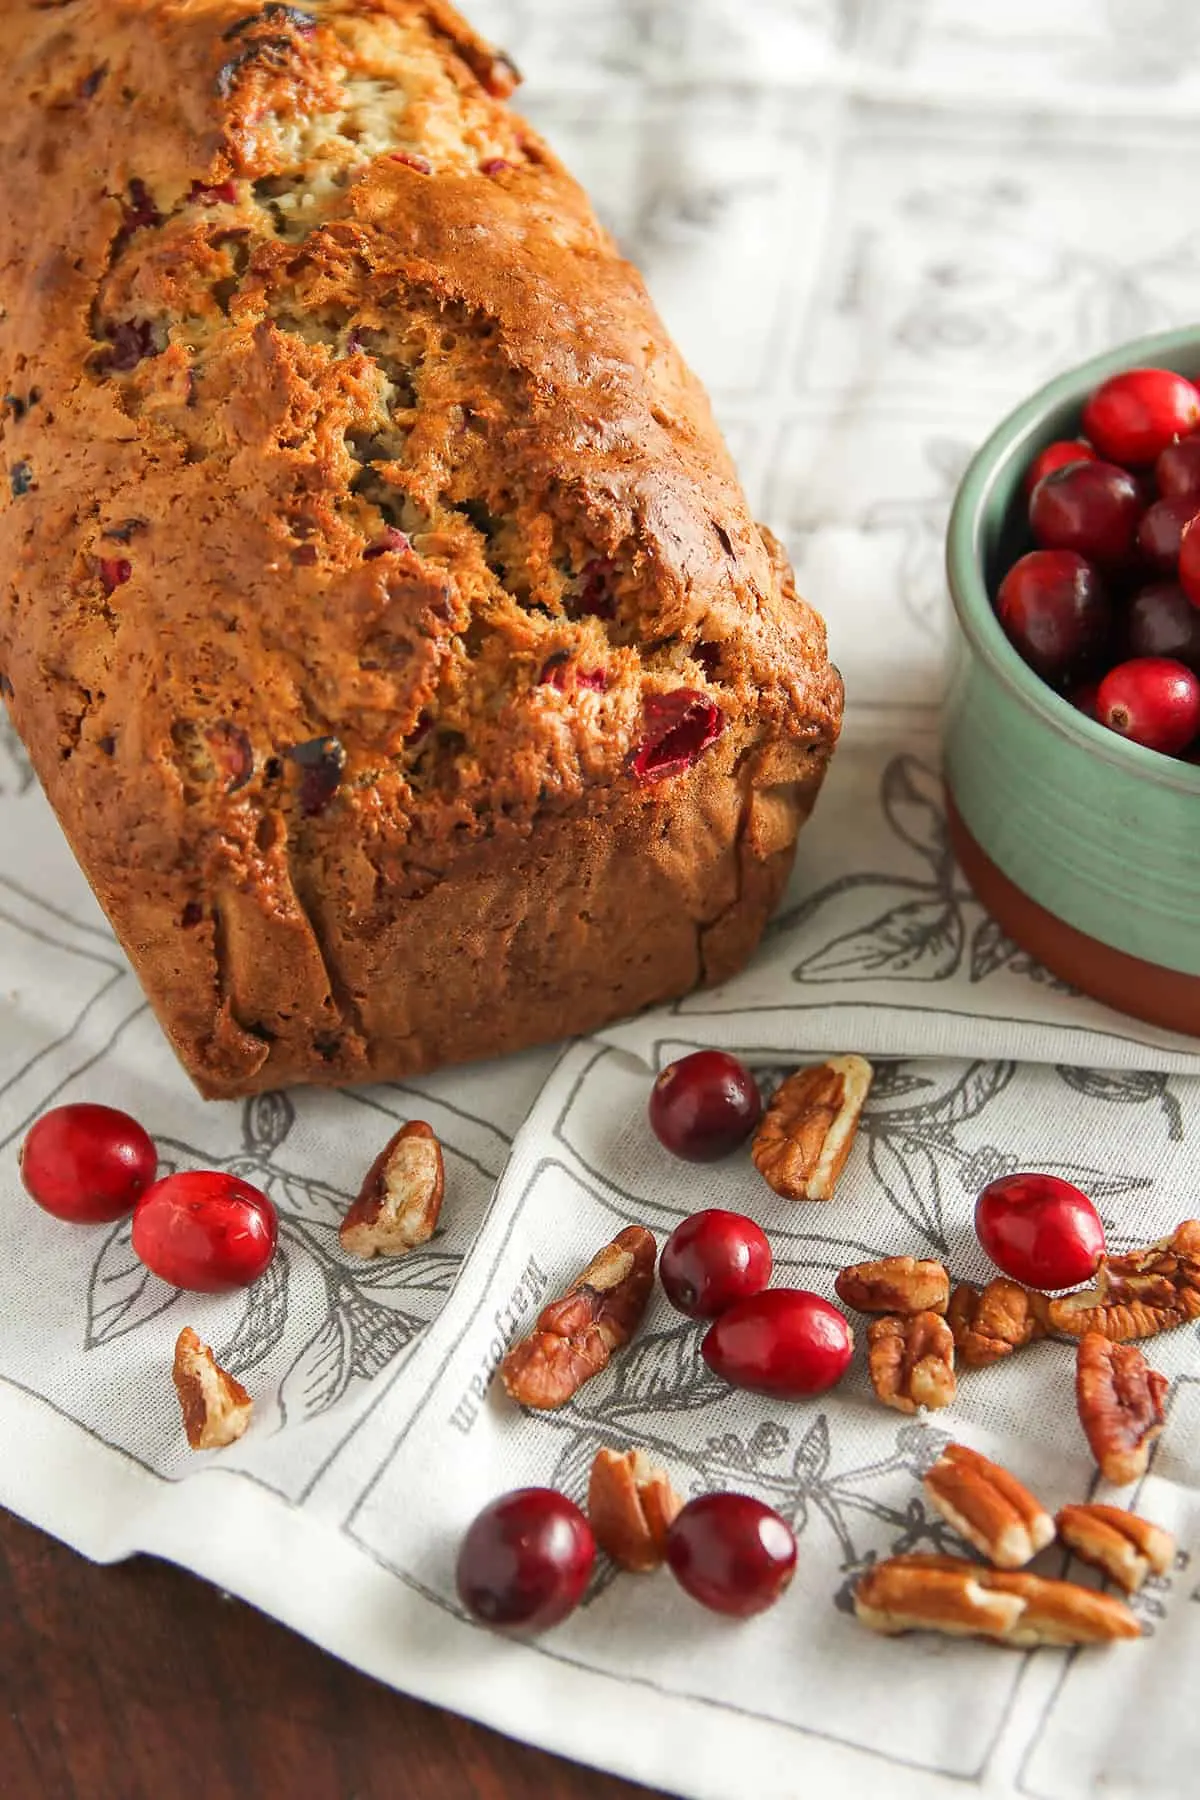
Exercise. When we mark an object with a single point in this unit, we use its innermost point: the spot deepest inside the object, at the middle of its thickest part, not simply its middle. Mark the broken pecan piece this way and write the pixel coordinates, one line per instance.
(1120, 1400)
(802, 1144)
(948, 1594)
(989, 1507)
(911, 1361)
(1139, 1294)
(895, 1284)
(575, 1336)
(401, 1197)
(216, 1408)
(993, 1323)
(1125, 1547)
(631, 1505)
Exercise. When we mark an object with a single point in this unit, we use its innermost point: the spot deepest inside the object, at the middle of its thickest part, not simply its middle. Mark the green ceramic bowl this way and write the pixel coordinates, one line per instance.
(1085, 846)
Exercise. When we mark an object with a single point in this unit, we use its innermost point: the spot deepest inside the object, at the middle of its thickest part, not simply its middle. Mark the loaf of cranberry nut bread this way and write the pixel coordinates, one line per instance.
(381, 610)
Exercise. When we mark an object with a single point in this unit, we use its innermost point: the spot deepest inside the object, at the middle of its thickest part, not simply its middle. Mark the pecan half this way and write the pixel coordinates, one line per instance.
(1125, 1547)
(216, 1408)
(801, 1146)
(574, 1337)
(401, 1197)
(1120, 1400)
(631, 1505)
(989, 1507)
(945, 1593)
(1139, 1294)
(895, 1284)
(993, 1323)
(911, 1361)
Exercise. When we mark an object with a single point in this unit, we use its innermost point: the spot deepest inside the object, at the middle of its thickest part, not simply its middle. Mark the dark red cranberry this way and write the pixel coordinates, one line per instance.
(132, 341)
(411, 160)
(137, 213)
(495, 165)
(1083, 698)
(1040, 1230)
(1189, 562)
(192, 915)
(307, 556)
(87, 1163)
(232, 752)
(709, 658)
(679, 727)
(1152, 700)
(526, 1560)
(703, 1106)
(321, 761)
(713, 1259)
(1177, 471)
(1161, 621)
(594, 598)
(1160, 531)
(392, 541)
(223, 194)
(205, 1230)
(1055, 611)
(1133, 416)
(731, 1553)
(115, 571)
(559, 673)
(784, 1341)
(1092, 508)
(1058, 455)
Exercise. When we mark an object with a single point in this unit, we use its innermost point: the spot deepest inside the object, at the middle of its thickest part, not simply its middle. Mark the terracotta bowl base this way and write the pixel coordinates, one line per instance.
(1163, 997)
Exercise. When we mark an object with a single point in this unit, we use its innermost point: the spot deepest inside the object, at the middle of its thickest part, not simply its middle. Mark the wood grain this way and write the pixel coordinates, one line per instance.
(139, 1682)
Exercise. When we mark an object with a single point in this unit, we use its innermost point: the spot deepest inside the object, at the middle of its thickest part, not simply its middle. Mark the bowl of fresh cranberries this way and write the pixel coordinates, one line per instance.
(1072, 722)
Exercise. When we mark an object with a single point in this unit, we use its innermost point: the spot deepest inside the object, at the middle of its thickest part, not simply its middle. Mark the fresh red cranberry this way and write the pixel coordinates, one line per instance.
(1177, 471)
(1133, 416)
(87, 1163)
(1161, 621)
(1151, 700)
(1058, 455)
(1092, 508)
(731, 1553)
(712, 1260)
(1160, 531)
(1055, 612)
(1040, 1230)
(205, 1230)
(526, 1560)
(679, 727)
(704, 1105)
(115, 571)
(784, 1341)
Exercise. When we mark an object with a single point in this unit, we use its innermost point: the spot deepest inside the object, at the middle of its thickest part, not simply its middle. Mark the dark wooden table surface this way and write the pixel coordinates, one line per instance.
(138, 1682)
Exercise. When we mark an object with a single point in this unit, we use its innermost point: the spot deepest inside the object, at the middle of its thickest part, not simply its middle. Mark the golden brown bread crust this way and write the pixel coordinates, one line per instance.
(381, 609)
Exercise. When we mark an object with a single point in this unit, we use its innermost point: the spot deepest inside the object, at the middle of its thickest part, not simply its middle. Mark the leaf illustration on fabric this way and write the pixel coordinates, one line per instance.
(379, 1334)
(264, 1321)
(312, 1201)
(574, 1466)
(812, 1456)
(975, 1089)
(1127, 1087)
(893, 1080)
(122, 1293)
(908, 1173)
(1097, 1184)
(266, 1121)
(789, 922)
(911, 795)
(664, 1371)
(991, 949)
(919, 940)
(420, 1272)
(321, 1372)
